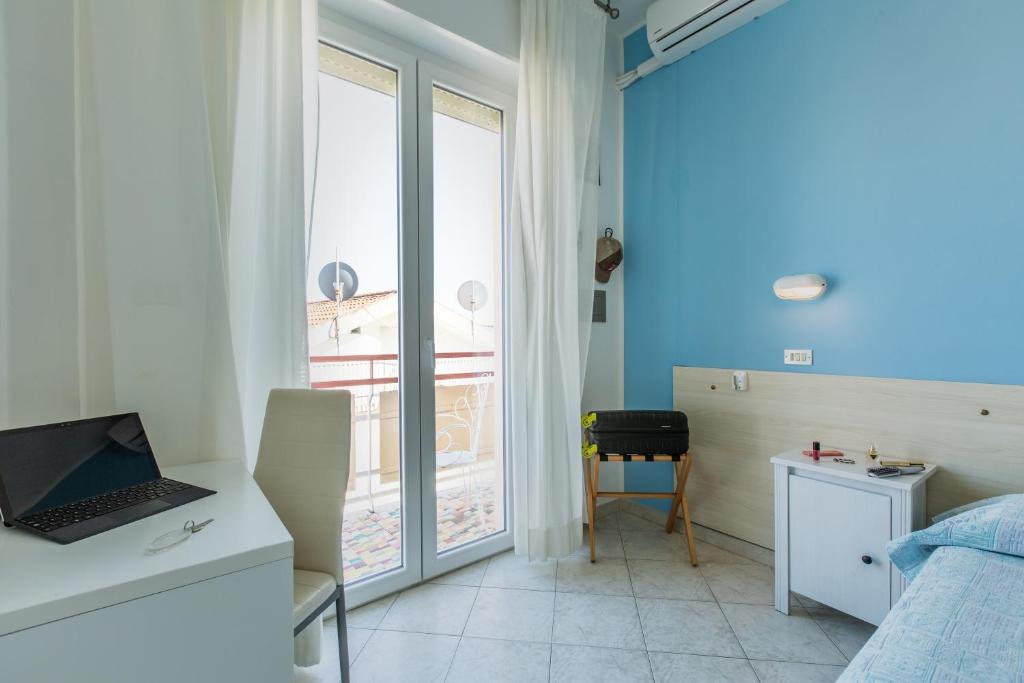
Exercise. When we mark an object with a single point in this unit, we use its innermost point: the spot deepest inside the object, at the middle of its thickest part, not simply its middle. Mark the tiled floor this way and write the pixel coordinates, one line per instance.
(641, 613)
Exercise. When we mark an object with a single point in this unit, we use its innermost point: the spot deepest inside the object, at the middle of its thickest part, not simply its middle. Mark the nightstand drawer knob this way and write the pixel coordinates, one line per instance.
(866, 559)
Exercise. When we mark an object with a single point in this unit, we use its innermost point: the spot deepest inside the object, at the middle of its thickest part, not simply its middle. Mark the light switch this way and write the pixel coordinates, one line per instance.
(798, 357)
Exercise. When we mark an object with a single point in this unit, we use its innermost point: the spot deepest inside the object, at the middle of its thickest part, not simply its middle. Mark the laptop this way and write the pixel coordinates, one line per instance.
(72, 480)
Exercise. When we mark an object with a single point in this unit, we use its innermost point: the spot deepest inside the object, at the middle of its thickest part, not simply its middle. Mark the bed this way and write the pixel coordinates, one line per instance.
(962, 616)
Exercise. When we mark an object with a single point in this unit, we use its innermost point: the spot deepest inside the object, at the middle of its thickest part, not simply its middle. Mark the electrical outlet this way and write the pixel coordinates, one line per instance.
(798, 357)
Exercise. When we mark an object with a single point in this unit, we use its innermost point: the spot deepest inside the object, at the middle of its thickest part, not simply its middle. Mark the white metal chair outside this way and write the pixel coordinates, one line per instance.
(469, 419)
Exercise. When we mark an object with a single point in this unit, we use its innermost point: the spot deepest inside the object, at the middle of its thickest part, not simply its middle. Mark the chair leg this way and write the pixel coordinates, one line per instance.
(339, 605)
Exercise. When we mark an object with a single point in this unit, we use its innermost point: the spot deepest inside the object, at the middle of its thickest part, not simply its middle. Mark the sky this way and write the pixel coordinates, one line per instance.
(356, 209)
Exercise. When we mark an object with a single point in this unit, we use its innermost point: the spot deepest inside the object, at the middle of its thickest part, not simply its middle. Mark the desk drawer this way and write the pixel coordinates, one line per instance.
(236, 627)
(837, 538)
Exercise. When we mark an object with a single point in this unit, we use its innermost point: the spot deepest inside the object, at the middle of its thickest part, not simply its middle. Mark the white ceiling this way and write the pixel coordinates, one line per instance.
(631, 16)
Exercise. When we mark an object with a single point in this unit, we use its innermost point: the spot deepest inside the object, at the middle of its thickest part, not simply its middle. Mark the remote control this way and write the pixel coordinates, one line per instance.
(883, 472)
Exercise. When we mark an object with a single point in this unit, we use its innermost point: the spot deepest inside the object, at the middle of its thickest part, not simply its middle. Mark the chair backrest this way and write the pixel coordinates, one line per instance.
(303, 471)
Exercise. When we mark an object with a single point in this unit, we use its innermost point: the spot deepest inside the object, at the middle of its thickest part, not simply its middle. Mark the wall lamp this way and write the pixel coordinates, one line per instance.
(800, 287)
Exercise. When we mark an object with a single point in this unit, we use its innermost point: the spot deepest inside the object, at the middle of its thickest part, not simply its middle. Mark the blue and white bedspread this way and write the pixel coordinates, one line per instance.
(962, 617)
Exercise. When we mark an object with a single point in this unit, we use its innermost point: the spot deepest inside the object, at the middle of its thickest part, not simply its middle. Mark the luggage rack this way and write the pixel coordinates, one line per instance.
(592, 458)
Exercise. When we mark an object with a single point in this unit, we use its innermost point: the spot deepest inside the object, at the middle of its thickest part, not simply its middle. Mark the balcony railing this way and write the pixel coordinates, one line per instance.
(373, 380)
(382, 368)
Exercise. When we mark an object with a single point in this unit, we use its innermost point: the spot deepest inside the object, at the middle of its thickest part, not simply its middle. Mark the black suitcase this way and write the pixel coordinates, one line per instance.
(641, 432)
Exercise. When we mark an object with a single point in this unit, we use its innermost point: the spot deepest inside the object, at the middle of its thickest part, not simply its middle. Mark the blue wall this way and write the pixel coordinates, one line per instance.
(878, 143)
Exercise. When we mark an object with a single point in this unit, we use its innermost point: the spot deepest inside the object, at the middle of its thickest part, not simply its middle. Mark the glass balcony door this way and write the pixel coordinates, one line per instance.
(406, 308)
(462, 150)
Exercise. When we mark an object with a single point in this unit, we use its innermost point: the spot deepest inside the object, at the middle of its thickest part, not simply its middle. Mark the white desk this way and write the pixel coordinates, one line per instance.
(832, 523)
(217, 607)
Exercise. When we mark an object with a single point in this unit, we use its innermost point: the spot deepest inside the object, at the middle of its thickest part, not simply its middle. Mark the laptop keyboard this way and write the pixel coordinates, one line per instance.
(72, 513)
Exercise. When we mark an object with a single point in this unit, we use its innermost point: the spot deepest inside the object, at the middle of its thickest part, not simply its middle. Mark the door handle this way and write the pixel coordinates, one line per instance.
(428, 354)
(866, 559)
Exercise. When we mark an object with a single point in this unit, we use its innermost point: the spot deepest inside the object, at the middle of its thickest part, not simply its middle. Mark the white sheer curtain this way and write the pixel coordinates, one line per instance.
(188, 229)
(552, 265)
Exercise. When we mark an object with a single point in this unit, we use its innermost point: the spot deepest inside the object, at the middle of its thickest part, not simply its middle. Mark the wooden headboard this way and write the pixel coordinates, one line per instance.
(733, 434)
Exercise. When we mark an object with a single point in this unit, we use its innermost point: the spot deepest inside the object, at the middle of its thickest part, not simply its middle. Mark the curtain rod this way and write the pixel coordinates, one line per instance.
(612, 12)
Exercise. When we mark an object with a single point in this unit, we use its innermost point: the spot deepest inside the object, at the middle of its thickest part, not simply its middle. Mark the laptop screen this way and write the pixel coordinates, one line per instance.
(46, 467)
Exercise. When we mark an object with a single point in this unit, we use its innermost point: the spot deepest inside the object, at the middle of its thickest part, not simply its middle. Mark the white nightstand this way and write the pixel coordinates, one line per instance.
(832, 522)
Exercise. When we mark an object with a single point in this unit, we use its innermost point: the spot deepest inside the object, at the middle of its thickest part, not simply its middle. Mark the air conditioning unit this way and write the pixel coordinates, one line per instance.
(677, 28)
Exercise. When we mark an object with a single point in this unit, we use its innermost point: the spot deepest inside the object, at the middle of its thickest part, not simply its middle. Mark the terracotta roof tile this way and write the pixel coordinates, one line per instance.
(319, 312)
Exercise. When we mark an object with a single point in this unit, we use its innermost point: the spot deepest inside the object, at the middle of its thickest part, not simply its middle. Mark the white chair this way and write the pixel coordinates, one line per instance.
(303, 471)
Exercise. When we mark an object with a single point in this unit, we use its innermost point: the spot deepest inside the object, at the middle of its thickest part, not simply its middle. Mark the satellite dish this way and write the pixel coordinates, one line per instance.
(472, 295)
(338, 271)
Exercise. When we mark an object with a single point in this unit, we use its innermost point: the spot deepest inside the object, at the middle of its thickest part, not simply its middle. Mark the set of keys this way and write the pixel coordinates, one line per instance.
(173, 538)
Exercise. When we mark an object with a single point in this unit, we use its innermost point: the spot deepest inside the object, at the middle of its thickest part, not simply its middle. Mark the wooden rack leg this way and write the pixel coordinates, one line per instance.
(592, 475)
(673, 509)
(691, 546)
(591, 503)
